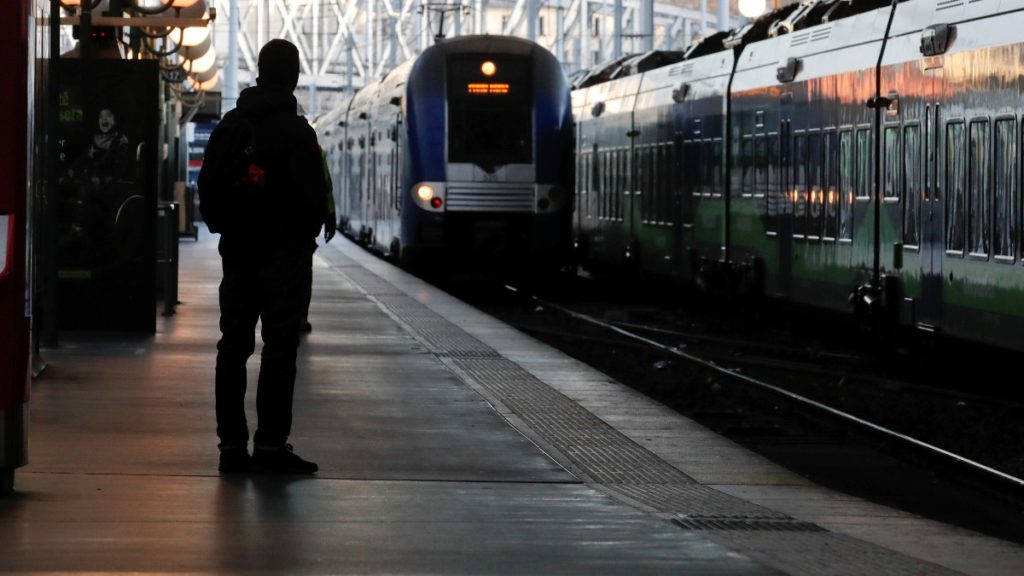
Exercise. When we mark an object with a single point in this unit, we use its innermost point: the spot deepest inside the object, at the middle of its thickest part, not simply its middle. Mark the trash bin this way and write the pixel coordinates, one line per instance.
(167, 255)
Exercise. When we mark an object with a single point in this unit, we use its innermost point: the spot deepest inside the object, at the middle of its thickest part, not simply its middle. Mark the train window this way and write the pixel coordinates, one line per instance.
(679, 182)
(667, 184)
(493, 129)
(653, 191)
(646, 183)
(931, 153)
(812, 194)
(979, 206)
(586, 184)
(692, 171)
(606, 163)
(716, 183)
(627, 181)
(1006, 189)
(892, 161)
(611, 190)
(846, 192)
(829, 185)
(705, 169)
(799, 190)
(774, 194)
(956, 182)
(657, 175)
(862, 158)
(746, 165)
(594, 188)
(620, 183)
(616, 185)
(911, 185)
(760, 180)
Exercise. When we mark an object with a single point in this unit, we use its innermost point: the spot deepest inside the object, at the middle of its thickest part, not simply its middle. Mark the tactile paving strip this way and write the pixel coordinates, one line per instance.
(817, 553)
(602, 454)
(610, 460)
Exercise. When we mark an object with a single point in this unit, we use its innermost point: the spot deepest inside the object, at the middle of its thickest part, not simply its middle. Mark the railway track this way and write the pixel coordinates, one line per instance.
(826, 411)
(731, 372)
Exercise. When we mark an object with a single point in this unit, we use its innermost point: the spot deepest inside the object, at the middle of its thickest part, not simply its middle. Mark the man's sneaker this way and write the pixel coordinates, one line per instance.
(233, 460)
(281, 460)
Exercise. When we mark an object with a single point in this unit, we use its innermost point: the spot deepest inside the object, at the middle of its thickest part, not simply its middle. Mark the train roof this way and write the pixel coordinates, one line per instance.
(484, 43)
(785, 20)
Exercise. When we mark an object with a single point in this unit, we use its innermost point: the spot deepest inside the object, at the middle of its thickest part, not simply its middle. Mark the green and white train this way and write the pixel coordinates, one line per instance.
(854, 155)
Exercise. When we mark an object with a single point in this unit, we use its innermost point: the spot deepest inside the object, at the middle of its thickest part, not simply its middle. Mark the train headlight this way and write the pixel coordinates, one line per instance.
(488, 68)
(425, 193)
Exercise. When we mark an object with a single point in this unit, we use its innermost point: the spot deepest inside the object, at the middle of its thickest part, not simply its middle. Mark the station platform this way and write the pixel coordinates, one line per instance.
(448, 443)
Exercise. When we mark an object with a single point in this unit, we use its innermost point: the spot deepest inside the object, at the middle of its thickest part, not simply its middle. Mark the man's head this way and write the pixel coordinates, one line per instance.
(279, 65)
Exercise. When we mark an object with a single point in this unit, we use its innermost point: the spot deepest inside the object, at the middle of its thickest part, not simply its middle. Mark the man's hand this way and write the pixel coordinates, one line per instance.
(329, 230)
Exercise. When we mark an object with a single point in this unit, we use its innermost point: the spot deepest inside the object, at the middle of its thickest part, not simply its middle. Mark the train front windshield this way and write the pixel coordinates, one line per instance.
(490, 111)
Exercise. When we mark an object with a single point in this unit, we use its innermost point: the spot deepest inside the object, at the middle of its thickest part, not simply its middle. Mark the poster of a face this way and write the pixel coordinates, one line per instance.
(106, 173)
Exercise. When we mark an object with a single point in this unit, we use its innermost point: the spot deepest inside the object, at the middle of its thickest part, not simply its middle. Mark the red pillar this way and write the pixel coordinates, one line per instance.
(16, 107)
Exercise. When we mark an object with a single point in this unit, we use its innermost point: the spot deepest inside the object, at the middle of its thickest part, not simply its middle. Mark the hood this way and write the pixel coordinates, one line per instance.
(266, 100)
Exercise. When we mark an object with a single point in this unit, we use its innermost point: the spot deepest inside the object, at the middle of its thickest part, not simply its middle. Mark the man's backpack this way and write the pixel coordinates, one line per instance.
(231, 181)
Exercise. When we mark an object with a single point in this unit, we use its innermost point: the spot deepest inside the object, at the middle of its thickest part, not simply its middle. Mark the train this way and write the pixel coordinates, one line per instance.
(461, 155)
(860, 156)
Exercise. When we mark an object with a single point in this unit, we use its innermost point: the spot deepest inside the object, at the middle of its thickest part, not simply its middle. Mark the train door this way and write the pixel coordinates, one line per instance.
(784, 205)
(634, 190)
(395, 208)
(682, 204)
(932, 231)
(370, 186)
(396, 167)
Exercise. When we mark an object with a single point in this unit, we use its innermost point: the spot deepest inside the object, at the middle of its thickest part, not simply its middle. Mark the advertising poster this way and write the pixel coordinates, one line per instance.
(108, 133)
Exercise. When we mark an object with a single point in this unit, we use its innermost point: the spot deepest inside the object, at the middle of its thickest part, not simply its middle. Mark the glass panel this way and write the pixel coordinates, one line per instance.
(774, 196)
(665, 204)
(760, 182)
(830, 186)
(716, 167)
(979, 192)
(1006, 188)
(651, 189)
(606, 189)
(912, 185)
(813, 193)
(692, 174)
(846, 192)
(747, 166)
(891, 178)
(799, 189)
(956, 181)
(863, 159)
(641, 181)
(490, 130)
(624, 182)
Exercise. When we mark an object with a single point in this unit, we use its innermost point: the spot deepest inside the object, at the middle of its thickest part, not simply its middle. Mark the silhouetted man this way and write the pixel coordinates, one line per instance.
(268, 220)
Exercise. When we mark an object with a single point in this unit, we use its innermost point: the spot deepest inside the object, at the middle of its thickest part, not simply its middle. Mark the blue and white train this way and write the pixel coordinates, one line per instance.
(460, 156)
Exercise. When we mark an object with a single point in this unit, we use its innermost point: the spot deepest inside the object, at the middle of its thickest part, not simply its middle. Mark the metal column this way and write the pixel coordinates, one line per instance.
(647, 24)
(617, 46)
(230, 89)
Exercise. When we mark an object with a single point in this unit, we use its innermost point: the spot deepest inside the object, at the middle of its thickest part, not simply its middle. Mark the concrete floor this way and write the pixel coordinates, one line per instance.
(419, 474)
